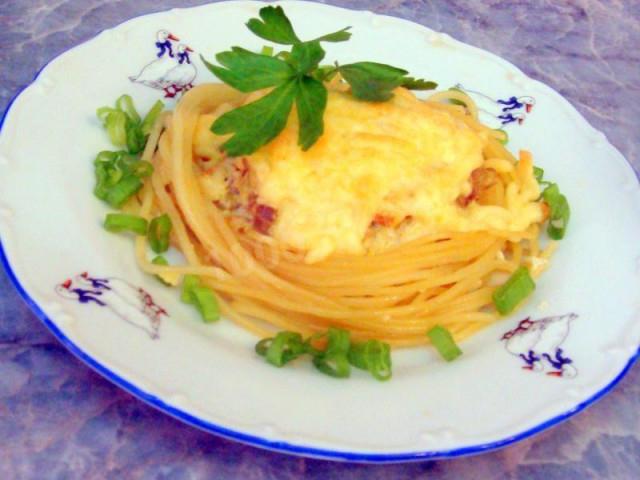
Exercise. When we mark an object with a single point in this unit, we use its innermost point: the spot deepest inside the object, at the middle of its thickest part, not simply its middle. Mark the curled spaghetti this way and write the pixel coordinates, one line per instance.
(395, 295)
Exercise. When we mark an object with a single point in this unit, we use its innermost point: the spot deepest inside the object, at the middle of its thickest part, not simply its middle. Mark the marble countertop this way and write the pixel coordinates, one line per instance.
(59, 419)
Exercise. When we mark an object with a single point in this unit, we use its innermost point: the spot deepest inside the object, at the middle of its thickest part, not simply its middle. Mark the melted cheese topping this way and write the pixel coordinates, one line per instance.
(400, 158)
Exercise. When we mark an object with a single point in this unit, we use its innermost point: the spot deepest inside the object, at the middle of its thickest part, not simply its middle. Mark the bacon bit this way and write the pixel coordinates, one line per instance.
(245, 167)
(263, 218)
(383, 220)
(240, 203)
(481, 179)
(167, 188)
(242, 169)
(545, 211)
(464, 200)
(238, 176)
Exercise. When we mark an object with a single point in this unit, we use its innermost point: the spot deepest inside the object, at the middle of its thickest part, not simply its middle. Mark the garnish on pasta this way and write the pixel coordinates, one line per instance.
(297, 78)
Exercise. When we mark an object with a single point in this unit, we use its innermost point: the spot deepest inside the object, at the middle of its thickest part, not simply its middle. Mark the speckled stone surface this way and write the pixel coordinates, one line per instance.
(59, 419)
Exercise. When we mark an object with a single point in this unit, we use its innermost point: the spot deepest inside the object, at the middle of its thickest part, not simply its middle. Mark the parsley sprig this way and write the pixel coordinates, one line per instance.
(296, 77)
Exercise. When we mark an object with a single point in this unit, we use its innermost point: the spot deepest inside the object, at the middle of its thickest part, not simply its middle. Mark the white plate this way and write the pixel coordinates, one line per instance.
(209, 375)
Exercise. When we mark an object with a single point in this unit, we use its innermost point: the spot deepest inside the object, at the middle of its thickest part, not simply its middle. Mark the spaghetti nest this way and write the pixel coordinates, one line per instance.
(396, 295)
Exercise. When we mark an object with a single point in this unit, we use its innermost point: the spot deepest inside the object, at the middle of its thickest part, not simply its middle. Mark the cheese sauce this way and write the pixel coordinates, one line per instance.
(399, 166)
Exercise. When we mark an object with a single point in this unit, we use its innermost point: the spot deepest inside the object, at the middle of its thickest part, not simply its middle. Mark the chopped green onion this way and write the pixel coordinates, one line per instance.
(202, 297)
(519, 286)
(122, 191)
(119, 222)
(333, 364)
(136, 140)
(357, 356)
(205, 301)
(139, 168)
(118, 176)
(107, 157)
(159, 230)
(337, 340)
(124, 126)
(125, 104)
(442, 339)
(160, 260)
(129, 163)
(102, 113)
(188, 283)
(332, 360)
(559, 212)
(107, 175)
(116, 125)
(331, 352)
(281, 349)
(263, 346)
(372, 355)
(152, 116)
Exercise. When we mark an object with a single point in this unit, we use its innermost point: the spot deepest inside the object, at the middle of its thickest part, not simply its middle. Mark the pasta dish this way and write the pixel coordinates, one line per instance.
(392, 234)
(309, 199)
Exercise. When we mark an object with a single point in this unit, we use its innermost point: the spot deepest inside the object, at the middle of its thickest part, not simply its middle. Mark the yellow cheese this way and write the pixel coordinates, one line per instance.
(398, 158)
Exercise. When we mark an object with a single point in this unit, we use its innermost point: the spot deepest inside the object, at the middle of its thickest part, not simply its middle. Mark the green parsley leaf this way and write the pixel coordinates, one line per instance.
(311, 101)
(247, 71)
(296, 76)
(274, 26)
(372, 81)
(335, 37)
(305, 57)
(418, 84)
(257, 123)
